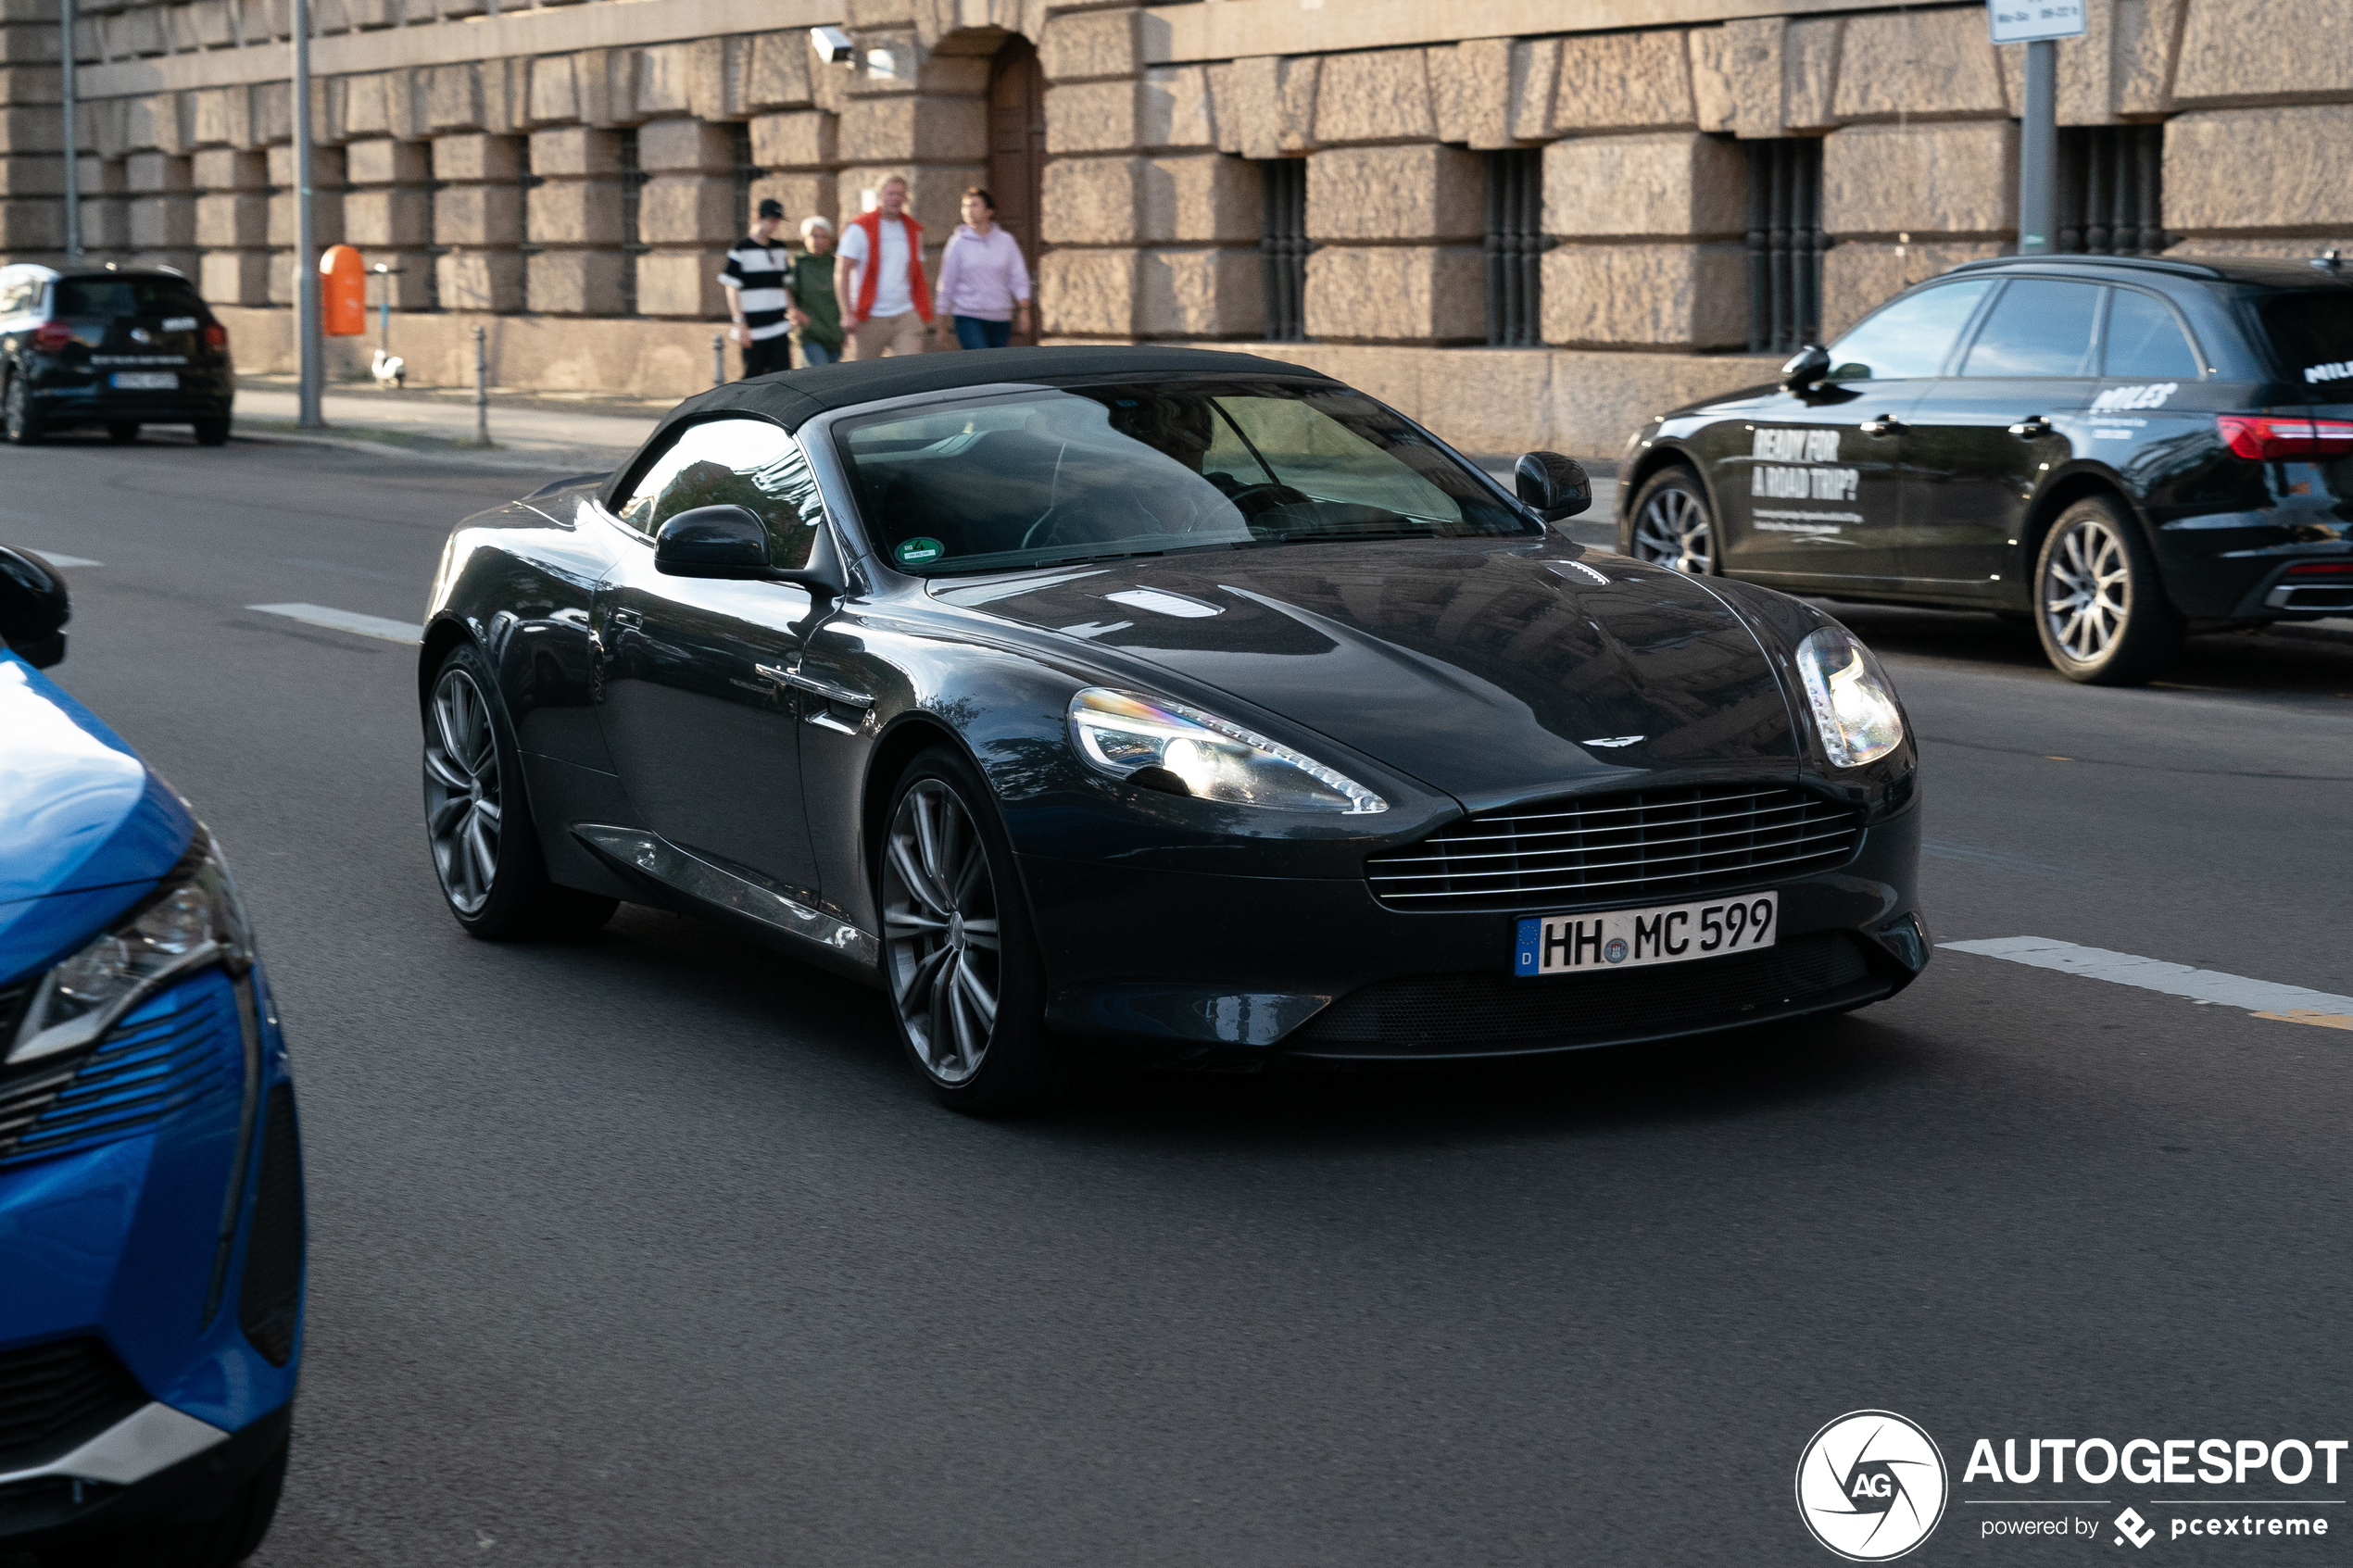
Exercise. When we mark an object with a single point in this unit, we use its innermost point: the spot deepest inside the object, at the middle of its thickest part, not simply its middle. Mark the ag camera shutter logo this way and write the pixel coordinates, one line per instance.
(1871, 1486)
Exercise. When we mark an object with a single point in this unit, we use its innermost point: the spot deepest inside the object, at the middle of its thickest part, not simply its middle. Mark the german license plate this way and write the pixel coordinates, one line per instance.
(1629, 939)
(146, 380)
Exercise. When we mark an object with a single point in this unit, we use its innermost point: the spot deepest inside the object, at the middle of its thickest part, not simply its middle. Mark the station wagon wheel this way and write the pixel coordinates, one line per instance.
(2099, 607)
(965, 985)
(18, 420)
(1671, 524)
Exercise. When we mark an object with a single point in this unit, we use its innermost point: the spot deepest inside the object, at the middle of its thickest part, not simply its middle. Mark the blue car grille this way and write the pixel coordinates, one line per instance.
(140, 1073)
(1640, 846)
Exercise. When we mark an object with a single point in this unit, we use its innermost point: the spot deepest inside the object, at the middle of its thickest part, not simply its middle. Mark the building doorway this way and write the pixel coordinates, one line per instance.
(1017, 150)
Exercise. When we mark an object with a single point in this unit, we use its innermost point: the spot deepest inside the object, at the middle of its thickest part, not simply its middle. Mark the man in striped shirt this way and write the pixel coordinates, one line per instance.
(755, 279)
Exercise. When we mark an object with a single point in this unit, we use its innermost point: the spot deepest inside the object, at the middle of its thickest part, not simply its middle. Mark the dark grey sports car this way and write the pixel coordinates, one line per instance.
(1186, 707)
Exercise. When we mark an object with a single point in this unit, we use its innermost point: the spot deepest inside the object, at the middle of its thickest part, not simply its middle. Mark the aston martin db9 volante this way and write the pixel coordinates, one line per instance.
(1187, 708)
(2120, 449)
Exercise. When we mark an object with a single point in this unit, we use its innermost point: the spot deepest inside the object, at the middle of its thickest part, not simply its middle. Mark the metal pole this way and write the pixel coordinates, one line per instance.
(69, 54)
(310, 346)
(719, 358)
(482, 389)
(2038, 152)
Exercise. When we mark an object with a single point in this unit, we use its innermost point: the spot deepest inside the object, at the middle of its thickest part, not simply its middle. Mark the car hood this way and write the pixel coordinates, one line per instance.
(80, 815)
(1489, 670)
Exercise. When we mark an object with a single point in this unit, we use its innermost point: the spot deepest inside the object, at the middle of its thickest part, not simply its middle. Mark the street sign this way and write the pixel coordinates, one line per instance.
(2030, 21)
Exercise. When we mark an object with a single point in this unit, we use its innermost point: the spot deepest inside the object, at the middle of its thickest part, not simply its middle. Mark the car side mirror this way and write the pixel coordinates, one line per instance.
(34, 608)
(731, 542)
(1807, 369)
(1551, 485)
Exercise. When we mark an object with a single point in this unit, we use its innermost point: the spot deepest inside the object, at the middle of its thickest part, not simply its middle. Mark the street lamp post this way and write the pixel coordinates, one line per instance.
(309, 344)
(2038, 152)
(68, 57)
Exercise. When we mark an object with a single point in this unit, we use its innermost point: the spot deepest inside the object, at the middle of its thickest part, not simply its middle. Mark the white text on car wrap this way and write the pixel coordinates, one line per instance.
(1770, 446)
(2336, 370)
(2150, 395)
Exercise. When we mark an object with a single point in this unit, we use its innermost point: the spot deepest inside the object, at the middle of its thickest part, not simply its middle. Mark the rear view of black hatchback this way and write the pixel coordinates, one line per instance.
(112, 349)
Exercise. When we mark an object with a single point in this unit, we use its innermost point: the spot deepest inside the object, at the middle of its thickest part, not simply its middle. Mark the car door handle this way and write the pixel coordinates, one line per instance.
(1887, 424)
(628, 617)
(2031, 428)
(825, 689)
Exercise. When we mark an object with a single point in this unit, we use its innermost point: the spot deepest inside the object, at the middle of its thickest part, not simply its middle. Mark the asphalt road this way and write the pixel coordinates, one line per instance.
(650, 1250)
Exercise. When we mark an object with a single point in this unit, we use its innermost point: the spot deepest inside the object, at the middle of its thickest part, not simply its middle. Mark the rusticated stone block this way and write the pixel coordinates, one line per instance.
(1810, 73)
(803, 195)
(1470, 89)
(220, 116)
(477, 215)
(329, 168)
(394, 215)
(1857, 278)
(1263, 106)
(1202, 198)
(234, 277)
(105, 223)
(1381, 95)
(31, 84)
(1646, 296)
(576, 282)
(550, 96)
(453, 97)
(777, 77)
(1428, 192)
(2145, 35)
(685, 208)
(158, 121)
(34, 176)
(577, 212)
(908, 128)
(1624, 81)
(1091, 45)
(326, 219)
(2250, 171)
(99, 176)
(1088, 293)
(2264, 52)
(479, 280)
(804, 139)
(1209, 293)
(665, 81)
(1094, 201)
(1713, 93)
(681, 283)
(1671, 185)
(1093, 116)
(1173, 110)
(575, 152)
(1947, 179)
(156, 173)
(387, 163)
(477, 157)
(32, 225)
(233, 220)
(1906, 64)
(161, 223)
(1535, 66)
(224, 169)
(683, 146)
(1413, 294)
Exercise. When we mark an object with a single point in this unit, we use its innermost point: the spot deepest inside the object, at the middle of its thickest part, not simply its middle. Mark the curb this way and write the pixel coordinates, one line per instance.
(378, 441)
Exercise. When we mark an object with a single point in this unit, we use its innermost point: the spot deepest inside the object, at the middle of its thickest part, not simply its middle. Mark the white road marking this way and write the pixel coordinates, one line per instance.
(348, 620)
(53, 558)
(2263, 998)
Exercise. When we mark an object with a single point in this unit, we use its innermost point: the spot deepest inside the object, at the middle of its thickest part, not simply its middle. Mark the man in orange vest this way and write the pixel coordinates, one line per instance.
(879, 278)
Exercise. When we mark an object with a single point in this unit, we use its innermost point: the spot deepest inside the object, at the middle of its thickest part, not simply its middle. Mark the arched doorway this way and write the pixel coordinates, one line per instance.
(1017, 148)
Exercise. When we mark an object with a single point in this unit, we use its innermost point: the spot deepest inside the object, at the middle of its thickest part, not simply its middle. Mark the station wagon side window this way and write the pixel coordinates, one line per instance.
(744, 462)
(1910, 339)
(19, 294)
(2145, 343)
(2039, 327)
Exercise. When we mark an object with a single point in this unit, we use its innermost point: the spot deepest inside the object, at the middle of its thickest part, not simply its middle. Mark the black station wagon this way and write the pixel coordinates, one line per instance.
(2119, 449)
(113, 349)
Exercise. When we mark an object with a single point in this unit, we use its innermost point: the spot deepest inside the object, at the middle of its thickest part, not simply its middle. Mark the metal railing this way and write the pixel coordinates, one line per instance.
(2111, 190)
(1514, 248)
(1785, 242)
(1283, 247)
(633, 190)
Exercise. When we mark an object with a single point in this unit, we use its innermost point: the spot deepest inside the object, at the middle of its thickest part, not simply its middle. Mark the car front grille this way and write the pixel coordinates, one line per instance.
(136, 1076)
(57, 1394)
(1643, 846)
(1491, 1011)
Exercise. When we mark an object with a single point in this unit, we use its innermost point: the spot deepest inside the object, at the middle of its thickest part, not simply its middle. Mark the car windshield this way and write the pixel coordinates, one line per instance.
(2311, 331)
(1047, 477)
(108, 299)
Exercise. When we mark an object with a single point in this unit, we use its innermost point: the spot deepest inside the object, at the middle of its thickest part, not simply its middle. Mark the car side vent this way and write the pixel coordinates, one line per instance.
(56, 1396)
(270, 1296)
(1632, 848)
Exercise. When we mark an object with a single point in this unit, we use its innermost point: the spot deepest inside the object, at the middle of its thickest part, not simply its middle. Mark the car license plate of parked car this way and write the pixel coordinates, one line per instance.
(146, 380)
(1662, 933)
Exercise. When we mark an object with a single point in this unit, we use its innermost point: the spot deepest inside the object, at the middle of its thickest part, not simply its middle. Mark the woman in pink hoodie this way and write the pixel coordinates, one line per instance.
(984, 283)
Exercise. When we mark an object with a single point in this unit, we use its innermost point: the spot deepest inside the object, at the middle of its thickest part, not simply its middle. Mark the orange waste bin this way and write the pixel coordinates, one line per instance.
(343, 305)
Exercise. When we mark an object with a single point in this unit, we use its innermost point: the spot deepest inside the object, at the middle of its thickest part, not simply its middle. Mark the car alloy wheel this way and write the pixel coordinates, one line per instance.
(940, 935)
(2087, 589)
(464, 814)
(1671, 529)
(2099, 608)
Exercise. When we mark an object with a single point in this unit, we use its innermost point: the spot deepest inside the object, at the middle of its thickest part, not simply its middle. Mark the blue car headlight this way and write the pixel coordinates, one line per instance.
(1122, 733)
(1853, 702)
(194, 920)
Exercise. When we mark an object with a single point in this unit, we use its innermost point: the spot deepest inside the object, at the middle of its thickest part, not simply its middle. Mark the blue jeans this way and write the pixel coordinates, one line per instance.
(975, 331)
(815, 352)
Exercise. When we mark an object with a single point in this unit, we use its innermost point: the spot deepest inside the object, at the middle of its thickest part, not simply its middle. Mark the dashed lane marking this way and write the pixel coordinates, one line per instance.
(346, 620)
(2262, 998)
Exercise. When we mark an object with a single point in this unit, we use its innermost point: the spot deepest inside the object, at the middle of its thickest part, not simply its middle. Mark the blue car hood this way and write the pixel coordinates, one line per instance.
(85, 826)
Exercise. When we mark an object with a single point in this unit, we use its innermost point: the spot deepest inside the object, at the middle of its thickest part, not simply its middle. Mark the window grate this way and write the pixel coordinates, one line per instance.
(2111, 190)
(1283, 248)
(1514, 248)
(745, 171)
(1785, 242)
(633, 190)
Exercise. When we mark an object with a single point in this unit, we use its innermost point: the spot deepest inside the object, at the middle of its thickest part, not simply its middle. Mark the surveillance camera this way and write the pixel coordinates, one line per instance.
(833, 46)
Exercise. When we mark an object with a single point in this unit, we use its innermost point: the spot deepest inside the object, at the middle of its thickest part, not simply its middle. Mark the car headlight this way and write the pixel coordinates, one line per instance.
(1122, 735)
(1854, 703)
(192, 919)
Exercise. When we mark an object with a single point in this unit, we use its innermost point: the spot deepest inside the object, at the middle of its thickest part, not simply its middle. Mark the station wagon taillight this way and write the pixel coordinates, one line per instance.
(2321, 568)
(216, 336)
(2267, 439)
(51, 336)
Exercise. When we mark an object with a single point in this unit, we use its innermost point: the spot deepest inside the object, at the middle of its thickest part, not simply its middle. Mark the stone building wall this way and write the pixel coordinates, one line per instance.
(480, 147)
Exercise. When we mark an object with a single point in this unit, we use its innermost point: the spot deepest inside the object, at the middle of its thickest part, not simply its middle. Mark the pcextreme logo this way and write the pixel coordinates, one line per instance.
(1871, 1486)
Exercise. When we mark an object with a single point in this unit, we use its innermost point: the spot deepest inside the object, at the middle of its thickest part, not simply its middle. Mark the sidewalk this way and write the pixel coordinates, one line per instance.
(538, 431)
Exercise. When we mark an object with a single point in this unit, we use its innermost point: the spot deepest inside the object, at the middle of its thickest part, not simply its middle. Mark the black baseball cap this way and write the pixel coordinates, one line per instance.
(771, 208)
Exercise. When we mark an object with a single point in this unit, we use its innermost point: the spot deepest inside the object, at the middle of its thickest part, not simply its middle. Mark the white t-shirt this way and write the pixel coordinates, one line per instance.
(892, 296)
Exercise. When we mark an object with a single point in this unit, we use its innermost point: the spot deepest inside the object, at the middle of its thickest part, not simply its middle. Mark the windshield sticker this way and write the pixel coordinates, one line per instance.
(2150, 396)
(1795, 445)
(919, 551)
(2336, 370)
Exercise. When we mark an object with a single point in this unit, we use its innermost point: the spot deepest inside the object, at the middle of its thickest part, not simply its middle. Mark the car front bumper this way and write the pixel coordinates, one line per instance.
(1194, 969)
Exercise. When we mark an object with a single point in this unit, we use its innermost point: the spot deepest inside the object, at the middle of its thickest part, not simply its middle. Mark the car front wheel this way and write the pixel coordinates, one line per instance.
(1672, 524)
(2099, 608)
